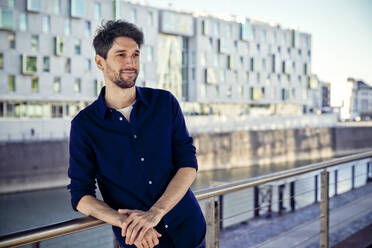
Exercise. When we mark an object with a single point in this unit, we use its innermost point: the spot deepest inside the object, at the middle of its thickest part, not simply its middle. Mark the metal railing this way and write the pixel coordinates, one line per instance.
(213, 206)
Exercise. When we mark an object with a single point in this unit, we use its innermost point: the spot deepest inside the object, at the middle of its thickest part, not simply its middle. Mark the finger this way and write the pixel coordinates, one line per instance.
(155, 239)
(135, 233)
(130, 230)
(125, 224)
(157, 233)
(142, 232)
(138, 244)
(145, 244)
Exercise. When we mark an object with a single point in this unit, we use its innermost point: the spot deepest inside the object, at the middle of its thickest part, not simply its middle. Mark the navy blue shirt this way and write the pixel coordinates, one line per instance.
(133, 162)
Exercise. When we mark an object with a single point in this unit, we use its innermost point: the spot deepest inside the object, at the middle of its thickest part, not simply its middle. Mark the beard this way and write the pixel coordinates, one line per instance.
(119, 80)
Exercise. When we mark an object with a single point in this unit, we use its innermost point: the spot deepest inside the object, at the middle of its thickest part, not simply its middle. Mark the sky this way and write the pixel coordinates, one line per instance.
(341, 31)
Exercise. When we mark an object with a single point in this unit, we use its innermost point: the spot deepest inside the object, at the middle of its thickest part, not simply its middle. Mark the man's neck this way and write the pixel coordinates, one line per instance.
(118, 98)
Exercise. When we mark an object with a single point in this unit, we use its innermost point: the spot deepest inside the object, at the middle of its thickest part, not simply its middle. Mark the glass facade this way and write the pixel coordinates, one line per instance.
(29, 64)
(67, 28)
(57, 7)
(11, 41)
(77, 85)
(169, 71)
(11, 83)
(35, 84)
(46, 24)
(57, 85)
(34, 43)
(23, 22)
(68, 65)
(77, 8)
(34, 5)
(77, 46)
(46, 64)
(6, 19)
(97, 11)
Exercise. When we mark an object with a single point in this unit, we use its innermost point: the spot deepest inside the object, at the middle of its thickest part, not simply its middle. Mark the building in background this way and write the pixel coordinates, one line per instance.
(359, 101)
(224, 65)
(326, 97)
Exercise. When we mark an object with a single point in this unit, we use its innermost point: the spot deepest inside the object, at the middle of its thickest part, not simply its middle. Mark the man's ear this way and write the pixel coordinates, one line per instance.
(99, 62)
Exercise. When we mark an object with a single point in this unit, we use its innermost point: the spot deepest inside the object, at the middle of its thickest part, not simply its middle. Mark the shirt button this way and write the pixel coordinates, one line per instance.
(142, 159)
(166, 226)
(150, 182)
(120, 118)
(135, 136)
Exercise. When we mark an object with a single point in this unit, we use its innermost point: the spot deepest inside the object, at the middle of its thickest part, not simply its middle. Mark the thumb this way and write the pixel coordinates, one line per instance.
(124, 211)
(157, 234)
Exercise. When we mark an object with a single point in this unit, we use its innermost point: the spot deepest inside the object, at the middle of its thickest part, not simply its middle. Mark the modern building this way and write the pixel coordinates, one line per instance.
(326, 97)
(359, 105)
(212, 64)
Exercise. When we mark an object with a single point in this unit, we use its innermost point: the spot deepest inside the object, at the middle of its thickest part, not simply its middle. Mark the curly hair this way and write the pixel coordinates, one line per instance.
(108, 31)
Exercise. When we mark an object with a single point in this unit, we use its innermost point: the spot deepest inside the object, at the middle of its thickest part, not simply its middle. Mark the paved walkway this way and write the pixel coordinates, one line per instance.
(349, 213)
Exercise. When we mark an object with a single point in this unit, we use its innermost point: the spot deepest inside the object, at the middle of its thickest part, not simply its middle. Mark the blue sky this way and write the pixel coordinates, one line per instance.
(341, 31)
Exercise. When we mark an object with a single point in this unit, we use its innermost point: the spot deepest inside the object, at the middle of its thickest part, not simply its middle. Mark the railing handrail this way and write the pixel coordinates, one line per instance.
(79, 224)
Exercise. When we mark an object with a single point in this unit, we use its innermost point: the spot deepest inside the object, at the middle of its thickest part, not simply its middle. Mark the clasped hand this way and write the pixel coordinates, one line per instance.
(138, 227)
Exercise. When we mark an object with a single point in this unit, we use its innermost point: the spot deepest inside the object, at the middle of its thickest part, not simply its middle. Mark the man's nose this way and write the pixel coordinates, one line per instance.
(129, 61)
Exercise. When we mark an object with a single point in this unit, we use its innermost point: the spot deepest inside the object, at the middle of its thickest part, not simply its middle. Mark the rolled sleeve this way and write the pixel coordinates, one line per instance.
(184, 152)
(82, 166)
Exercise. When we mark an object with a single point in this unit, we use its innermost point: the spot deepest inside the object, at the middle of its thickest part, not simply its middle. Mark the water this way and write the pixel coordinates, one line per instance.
(27, 210)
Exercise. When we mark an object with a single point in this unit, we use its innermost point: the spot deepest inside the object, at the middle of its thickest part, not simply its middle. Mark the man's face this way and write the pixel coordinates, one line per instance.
(122, 63)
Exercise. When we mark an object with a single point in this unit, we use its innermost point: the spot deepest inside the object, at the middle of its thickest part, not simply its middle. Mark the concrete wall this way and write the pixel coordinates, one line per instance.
(42, 164)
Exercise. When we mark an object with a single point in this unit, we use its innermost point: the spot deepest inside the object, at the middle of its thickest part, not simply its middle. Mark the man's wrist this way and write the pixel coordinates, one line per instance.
(158, 211)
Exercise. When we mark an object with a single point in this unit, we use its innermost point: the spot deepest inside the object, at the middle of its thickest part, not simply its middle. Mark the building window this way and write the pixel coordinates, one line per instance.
(252, 64)
(11, 83)
(67, 28)
(264, 64)
(294, 65)
(46, 24)
(77, 8)
(77, 46)
(88, 28)
(289, 77)
(57, 85)
(88, 65)
(247, 77)
(299, 79)
(29, 64)
(235, 76)
(305, 68)
(97, 11)
(279, 49)
(98, 86)
(150, 18)
(229, 91)
(58, 46)
(11, 41)
(57, 7)
(258, 77)
(68, 65)
(57, 111)
(23, 22)
(133, 15)
(222, 75)
(77, 85)
(217, 29)
(34, 43)
(46, 64)
(6, 19)
(289, 50)
(34, 5)
(1, 61)
(229, 30)
(236, 45)
(35, 84)
(299, 52)
(240, 91)
(150, 54)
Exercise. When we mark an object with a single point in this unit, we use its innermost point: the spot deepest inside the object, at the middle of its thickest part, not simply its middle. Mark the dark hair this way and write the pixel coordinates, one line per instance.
(107, 32)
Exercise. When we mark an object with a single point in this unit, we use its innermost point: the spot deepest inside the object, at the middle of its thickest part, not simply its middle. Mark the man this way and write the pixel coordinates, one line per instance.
(133, 141)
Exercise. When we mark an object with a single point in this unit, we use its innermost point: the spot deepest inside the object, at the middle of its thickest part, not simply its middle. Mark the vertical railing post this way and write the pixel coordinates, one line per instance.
(336, 181)
(212, 212)
(353, 177)
(324, 209)
(256, 201)
(316, 189)
(292, 193)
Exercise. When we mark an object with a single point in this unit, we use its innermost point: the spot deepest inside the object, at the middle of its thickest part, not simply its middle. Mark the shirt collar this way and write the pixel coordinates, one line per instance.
(102, 107)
